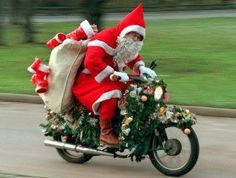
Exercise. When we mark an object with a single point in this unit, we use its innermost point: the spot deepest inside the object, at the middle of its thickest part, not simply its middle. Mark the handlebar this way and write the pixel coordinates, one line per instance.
(134, 77)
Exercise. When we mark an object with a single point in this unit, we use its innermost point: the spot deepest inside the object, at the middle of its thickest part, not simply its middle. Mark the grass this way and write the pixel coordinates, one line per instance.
(196, 57)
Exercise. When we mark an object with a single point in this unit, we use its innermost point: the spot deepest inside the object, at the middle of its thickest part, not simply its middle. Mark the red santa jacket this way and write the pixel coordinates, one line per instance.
(93, 85)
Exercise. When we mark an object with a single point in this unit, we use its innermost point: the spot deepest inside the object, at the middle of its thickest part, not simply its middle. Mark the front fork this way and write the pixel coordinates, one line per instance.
(160, 136)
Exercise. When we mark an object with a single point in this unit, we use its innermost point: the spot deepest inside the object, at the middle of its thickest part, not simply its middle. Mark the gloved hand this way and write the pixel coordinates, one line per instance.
(121, 76)
(144, 71)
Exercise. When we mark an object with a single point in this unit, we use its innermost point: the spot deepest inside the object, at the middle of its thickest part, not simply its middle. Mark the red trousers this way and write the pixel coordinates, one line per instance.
(108, 108)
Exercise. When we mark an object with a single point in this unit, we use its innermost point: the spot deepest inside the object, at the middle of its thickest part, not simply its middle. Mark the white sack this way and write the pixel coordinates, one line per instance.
(64, 63)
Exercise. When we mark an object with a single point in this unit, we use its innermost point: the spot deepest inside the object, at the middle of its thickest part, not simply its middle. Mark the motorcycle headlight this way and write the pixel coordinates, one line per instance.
(158, 93)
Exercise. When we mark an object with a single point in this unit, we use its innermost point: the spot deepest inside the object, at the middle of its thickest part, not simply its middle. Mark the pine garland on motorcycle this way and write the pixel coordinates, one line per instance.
(95, 108)
(140, 113)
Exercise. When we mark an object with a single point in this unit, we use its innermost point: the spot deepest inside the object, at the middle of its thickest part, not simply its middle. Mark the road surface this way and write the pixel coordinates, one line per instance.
(22, 153)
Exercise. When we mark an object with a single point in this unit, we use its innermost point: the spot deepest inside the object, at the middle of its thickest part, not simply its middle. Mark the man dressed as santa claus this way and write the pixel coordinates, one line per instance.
(108, 53)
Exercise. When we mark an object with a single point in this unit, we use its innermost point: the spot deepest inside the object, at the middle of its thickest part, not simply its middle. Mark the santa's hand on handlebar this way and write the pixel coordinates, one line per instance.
(121, 76)
(145, 75)
(146, 72)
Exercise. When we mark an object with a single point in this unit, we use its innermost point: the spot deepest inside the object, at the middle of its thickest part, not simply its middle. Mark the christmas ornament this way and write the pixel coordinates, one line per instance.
(158, 93)
(162, 111)
(187, 131)
(128, 120)
(166, 97)
(148, 91)
(175, 117)
(144, 98)
(133, 94)
(123, 112)
(93, 121)
(58, 129)
(64, 138)
(169, 114)
(126, 131)
(134, 86)
(48, 116)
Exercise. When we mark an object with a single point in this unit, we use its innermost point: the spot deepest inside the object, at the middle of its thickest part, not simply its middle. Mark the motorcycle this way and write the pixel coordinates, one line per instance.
(147, 128)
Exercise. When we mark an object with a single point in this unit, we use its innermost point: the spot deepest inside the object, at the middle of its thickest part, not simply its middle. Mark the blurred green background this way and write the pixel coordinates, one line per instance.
(196, 57)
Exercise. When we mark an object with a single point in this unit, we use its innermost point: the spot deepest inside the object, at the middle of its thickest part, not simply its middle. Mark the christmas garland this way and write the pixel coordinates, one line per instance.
(142, 112)
(76, 126)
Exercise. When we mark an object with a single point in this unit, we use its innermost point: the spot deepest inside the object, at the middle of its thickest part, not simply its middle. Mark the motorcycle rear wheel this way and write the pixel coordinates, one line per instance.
(73, 156)
(177, 155)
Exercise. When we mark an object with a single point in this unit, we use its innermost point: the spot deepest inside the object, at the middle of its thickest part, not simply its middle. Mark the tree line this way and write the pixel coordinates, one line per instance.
(20, 12)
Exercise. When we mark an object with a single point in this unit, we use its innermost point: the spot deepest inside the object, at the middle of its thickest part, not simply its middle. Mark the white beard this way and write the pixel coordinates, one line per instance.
(126, 51)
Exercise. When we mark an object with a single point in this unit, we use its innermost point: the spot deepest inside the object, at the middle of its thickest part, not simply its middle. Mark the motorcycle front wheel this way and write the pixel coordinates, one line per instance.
(174, 153)
(73, 156)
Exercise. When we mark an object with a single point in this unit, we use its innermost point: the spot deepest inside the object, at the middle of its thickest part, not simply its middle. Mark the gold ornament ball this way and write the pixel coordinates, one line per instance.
(128, 120)
(144, 98)
(187, 131)
(162, 110)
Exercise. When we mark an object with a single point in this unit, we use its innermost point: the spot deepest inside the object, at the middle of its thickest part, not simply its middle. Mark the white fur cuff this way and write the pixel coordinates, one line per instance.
(137, 65)
(104, 73)
(88, 30)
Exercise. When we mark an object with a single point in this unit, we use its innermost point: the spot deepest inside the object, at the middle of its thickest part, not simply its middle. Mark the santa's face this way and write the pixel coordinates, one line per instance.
(134, 36)
(127, 49)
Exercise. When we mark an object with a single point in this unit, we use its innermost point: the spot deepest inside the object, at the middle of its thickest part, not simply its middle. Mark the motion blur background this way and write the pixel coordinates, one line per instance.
(195, 53)
(20, 12)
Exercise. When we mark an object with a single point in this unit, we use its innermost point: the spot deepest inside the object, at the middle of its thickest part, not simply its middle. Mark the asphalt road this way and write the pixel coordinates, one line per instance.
(22, 153)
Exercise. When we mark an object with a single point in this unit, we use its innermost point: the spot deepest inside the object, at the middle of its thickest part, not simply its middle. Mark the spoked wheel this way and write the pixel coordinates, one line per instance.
(175, 155)
(73, 156)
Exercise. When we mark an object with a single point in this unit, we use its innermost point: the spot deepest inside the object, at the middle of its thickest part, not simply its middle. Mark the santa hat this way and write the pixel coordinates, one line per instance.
(133, 22)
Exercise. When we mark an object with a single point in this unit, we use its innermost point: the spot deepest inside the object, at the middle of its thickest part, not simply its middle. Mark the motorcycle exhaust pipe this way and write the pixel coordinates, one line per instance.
(77, 148)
